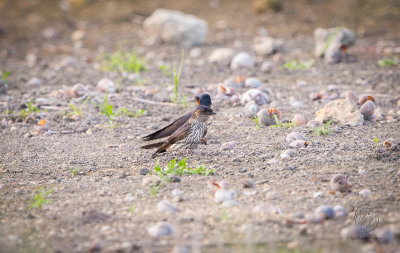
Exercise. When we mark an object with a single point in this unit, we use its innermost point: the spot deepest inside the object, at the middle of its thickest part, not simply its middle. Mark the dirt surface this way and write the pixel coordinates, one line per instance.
(104, 206)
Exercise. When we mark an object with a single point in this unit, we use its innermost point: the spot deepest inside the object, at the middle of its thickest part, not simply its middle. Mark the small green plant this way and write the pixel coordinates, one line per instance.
(78, 111)
(74, 171)
(257, 121)
(132, 208)
(301, 65)
(123, 61)
(279, 124)
(165, 70)
(107, 109)
(177, 76)
(40, 198)
(180, 168)
(4, 75)
(30, 108)
(323, 130)
(387, 62)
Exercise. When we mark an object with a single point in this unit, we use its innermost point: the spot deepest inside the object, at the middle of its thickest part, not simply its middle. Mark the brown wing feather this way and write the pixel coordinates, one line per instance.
(168, 130)
(178, 135)
(153, 145)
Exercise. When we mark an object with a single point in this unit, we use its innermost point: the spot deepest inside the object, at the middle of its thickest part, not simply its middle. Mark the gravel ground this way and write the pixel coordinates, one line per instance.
(98, 200)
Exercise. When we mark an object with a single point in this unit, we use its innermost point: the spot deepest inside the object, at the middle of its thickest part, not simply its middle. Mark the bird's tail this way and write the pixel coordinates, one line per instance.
(153, 145)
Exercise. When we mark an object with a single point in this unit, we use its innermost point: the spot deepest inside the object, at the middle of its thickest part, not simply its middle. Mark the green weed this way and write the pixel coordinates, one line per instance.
(387, 62)
(74, 171)
(177, 76)
(30, 108)
(180, 168)
(301, 65)
(4, 75)
(257, 121)
(123, 61)
(279, 124)
(77, 110)
(323, 130)
(166, 70)
(40, 198)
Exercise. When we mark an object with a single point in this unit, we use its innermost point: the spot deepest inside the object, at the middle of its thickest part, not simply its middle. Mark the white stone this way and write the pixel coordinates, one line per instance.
(160, 229)
(222, 195)
(256, 95)
(341, 110)
(166, 206)
(253, 82)
(266, 45)
(221, 55)
(242, 60)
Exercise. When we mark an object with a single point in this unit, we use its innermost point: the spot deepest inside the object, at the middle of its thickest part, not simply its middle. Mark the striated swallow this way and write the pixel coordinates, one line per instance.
(189, 135)
(202, 99)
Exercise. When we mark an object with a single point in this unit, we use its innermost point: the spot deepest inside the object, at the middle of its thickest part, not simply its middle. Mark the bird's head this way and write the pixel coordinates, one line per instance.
(203, 99)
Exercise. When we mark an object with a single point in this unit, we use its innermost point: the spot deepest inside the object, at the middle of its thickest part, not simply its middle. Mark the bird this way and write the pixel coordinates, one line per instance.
(202, 99)
(189, 135)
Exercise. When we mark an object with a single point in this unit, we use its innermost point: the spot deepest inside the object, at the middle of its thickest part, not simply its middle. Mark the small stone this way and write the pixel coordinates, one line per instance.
(265, 46)
(78, 35)
(313, 123)
(295, 102)
(151, 181)
(355, 233)
(180, 249)
(261, 6)
(301, 83)
(383, 235)
(242, 60)
(293, 136)
(144, 171)
(251, 109)
(256, 95)
(267, 66)
(78, 90)
(299, 120)
(336, 38)
(34, 81)
(339, 183)
(315, 218)
(351, 95)
(3, 87)
(391, 143)
(364, 98)
(378, 115)
(298, 144)
(195, 52)
(361, 171)
(341, 110)
(177, 192)
(217, 185)
(227, 145)
(253, 83)
(266, 208)
(318, 194)
(249, 184)
(221, 55)
(264, 118)
(222, 195)
(340, 211)
(365, 192)
(326, 211)
(175, 179)
(272, 161)
(229, 203)
(106, 85)
(243, 170)
(235, 82)
(287, 154)
(160, 229)
(166, 206)
(368, 109)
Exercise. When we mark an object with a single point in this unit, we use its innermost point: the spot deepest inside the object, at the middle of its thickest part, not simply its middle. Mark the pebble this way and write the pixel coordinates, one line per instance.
(166, 206)
(3, 87)
(383, 235)
(251, 109)
(272, 161)
(364, 98)
(151, 181)
(221, 55)
(177, 192)
(249, 183)
(264, 45)
(217, 185)
(267, 66)
(223, 195)
(253, 82)
(361, 171)
(293, 136)
(243, 170)
(195, 52)
(287, 154)
(355, 233)
(326, 211)
(242, 60)
(318, 194)
(301, 83)
(180, 249)
(295, 102)
(106, 85)
(160, 229)
(365, 192)
(339, 183)
(229, 203)
(266, 208)
(368, 109)
(227, 145)
(298, 144)
(175, 179)
(264, 118)
(351, 95)
(34, 81)
(256, 95)
(144, 171)
(313, 123)
(238, 82)
(391, 143)
(340, 211)
(78, 90)
(78, 35)
(299, 120)
(315, 218)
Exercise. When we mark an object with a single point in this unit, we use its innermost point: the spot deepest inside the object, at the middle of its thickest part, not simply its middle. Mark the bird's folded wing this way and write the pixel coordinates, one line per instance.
(168, 130)
(178, 135)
